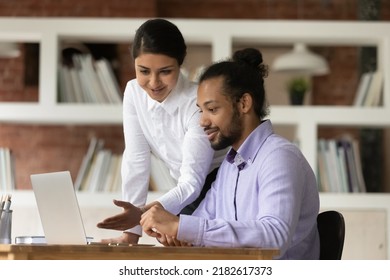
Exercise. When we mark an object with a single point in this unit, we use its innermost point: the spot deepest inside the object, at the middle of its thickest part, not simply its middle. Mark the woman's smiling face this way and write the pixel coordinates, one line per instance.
(157, 74)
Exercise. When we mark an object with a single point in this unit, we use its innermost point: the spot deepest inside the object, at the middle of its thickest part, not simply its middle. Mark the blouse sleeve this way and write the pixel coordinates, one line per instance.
(197, 158)
(136, 156)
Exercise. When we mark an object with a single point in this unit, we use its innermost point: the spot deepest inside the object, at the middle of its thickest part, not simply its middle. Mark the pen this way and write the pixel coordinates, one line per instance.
(1, 205)
(7, 204)
(2, 202)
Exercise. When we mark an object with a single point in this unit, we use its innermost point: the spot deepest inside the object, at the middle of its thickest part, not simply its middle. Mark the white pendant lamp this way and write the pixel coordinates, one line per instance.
(9, 50)
(301, 60)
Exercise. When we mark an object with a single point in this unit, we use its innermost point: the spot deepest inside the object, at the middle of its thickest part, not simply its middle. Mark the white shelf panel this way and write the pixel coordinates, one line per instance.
(33, 113)
(328, 115)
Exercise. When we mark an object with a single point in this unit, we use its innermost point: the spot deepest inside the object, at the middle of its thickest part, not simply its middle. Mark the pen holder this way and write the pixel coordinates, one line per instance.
(5, 226)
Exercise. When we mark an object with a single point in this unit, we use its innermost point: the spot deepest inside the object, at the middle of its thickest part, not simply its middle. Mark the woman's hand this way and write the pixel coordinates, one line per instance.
(126, 237)
(130, 217)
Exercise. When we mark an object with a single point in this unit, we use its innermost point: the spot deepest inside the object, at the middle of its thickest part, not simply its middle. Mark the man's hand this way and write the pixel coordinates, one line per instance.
(157, 222)
(172, 241)
(130, 217)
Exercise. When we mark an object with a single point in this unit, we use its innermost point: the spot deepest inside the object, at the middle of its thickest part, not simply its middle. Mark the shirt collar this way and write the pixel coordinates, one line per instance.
(171, 103)
(235, 158)
(248, 151)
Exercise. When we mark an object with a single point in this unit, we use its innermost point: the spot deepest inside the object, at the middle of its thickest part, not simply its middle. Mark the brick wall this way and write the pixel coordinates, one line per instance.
(78, 8)
(258, 9)
(48, 148)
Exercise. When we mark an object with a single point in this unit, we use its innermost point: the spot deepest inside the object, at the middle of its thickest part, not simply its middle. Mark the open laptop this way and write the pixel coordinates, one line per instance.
(58, 208)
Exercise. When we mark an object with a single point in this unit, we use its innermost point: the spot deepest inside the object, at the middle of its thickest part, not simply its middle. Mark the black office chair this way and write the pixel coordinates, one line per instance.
(331, 227)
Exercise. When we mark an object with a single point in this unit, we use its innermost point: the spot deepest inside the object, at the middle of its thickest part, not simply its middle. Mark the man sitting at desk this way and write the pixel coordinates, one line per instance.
(265, 194)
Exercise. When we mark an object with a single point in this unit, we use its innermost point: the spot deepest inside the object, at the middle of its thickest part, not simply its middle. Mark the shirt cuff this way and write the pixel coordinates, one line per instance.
(191, 229)
(170, 204)
(136, 230)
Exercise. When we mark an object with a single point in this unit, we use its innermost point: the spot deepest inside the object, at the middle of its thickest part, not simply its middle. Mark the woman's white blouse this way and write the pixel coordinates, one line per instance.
(171, 131)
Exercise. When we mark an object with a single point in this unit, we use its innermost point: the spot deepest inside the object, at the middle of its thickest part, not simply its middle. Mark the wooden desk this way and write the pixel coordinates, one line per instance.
(106, 252)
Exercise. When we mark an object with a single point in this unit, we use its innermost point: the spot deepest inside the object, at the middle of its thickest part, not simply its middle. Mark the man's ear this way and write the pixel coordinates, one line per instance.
(245, 103)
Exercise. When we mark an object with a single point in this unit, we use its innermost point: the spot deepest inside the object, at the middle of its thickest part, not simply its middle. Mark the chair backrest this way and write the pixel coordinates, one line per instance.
(331, 228)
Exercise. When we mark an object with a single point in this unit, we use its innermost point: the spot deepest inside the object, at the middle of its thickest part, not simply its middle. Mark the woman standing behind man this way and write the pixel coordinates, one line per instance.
(160, 118)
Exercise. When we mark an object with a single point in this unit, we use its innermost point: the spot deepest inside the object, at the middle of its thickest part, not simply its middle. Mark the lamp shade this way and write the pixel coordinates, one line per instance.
(9, 50)
(301, 60)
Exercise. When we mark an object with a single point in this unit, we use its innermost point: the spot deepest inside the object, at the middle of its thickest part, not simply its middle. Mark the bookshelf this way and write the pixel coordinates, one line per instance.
(220, 36)
(215, 40)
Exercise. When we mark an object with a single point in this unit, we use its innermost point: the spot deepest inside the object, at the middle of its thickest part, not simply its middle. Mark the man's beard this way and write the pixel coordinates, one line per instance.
(232, 135)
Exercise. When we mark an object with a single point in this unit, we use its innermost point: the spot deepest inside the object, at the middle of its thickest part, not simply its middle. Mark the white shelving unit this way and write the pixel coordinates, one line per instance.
(221, 36)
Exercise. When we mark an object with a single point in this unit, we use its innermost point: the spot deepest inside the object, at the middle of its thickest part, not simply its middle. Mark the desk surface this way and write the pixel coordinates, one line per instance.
(106, 252)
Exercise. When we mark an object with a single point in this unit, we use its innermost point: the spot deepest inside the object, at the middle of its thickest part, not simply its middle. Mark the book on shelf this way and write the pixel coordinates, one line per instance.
(323, 177)
(358, 166)
(369, 91)
(374, 91)
(91, 79)
(99, 170)
(112, 182)
(341, 156)
(362, 89)
(63, 84)
(67, 87)
(7, 170)
(94, 145)
(346, 145)
(88, 94)
(88, 80)
(107, 77)
(340, 165)
(336, 167)
(77, 87)
(329, 179)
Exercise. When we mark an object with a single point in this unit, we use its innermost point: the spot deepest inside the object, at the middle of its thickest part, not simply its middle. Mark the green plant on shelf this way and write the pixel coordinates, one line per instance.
(297, 88)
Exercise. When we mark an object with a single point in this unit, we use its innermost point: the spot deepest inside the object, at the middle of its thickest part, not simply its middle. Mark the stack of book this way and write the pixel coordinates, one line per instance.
(88, 81)
(7, 170)
(99, 170)
(339, 166)
(369, 91)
